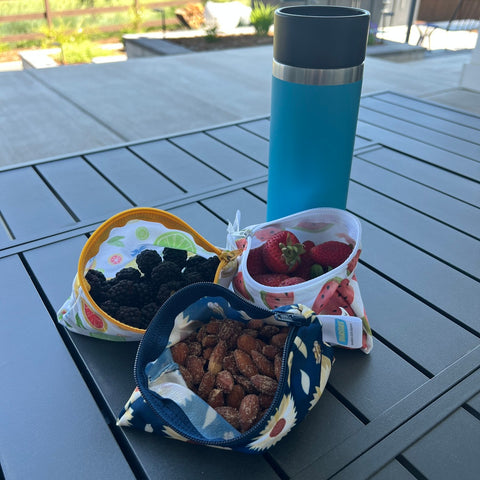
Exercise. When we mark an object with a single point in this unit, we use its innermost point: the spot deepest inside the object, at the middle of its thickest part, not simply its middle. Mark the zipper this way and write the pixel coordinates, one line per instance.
(291, 319)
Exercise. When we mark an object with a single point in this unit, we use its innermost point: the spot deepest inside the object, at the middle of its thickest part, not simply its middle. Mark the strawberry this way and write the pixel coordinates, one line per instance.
(306, 261)
(270, 279)
(255, 264)
(281, 253)
(308, 245)
(331, 253)
(291, 281)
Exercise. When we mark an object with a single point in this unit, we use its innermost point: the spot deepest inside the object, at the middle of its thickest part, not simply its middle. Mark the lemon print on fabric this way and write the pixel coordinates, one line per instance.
(142, 233)
(178, 240)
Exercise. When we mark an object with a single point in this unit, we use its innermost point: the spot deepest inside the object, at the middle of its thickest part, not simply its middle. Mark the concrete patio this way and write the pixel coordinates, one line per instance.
(57, 111)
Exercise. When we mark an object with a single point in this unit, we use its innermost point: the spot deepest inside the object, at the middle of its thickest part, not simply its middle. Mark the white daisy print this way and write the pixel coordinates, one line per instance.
(324, 374)
(278, 425)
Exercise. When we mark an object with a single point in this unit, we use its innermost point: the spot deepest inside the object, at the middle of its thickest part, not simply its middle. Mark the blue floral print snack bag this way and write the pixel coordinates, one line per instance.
(215, 370)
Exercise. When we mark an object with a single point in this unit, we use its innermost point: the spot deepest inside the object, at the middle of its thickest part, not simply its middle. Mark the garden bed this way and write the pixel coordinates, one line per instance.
(221, 42)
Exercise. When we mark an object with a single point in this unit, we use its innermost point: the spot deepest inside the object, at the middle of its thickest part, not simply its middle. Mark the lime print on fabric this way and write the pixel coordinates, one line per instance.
(142, 233)
(177, 240)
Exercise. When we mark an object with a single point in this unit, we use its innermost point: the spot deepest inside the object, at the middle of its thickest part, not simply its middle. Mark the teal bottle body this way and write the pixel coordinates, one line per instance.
(312, 134)
(318, 60)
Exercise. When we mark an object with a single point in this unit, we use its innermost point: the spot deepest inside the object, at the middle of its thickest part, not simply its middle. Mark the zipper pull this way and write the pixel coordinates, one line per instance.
(292, 318)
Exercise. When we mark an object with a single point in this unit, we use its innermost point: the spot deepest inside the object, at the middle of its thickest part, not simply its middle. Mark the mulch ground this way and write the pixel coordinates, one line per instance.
(200, 44)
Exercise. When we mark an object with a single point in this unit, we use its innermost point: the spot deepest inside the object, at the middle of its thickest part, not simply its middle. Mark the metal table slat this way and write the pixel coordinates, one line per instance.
(453, 162)
(436, 204)
(252, 210)
(178, 165)
(385, 380)
(430, 279)
(434, 110)
(410, 326)
(86, 192)
(461, 188)
(219, 156)
(258, 127)
(34, 356)
(359, 445)
(204, 222)
(136, 179)
(325, 427)
(452, 246)
(434, 429)
(460, 132)
(393, 470)
(460, 427)
(410, 126)
(45, 211)
(244, 141)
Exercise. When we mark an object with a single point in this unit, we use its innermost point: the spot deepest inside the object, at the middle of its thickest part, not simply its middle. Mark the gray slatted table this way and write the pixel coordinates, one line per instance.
(411, 409)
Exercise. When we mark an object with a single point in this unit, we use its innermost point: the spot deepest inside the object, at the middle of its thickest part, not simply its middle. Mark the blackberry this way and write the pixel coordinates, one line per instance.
(192, 277)
(193, 263)
(124, 293)
(111, 282)
(128, 273)
(147, 260)
(167, 289)
(179, 257)
(95, 278)
(131, 316)
(145, 292)
(165, 272)
(110, 307)
(209, 268)
(98, 285)
(148, 312)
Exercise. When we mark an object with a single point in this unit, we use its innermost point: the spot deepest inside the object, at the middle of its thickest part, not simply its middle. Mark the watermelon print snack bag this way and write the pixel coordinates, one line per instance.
(307, 258)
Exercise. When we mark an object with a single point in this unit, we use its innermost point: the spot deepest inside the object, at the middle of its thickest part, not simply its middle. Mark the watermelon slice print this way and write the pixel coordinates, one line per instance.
(345, 290)
(239, 286)
(353, 262)
(94, 320)
(265, 233)
(241, 243)
(324, 296)
(313, 227)
(274, 300)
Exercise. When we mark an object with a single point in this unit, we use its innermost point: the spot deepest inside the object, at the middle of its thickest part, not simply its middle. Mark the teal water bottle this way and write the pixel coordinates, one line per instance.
(318, 58)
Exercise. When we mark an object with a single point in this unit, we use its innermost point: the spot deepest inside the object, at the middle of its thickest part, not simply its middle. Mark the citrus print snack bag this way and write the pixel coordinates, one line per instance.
(215, 370)
(130, 265)
(308, 258)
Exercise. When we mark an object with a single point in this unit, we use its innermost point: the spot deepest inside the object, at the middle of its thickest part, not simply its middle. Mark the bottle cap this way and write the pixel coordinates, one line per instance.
(320, 37)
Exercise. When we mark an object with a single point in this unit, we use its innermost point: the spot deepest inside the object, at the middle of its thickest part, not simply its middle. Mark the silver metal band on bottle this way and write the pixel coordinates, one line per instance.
(317, 76)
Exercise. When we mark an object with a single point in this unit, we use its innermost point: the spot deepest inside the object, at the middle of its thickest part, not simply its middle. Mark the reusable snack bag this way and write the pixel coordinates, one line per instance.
(163, 404)
(334, 296)
(114, 246)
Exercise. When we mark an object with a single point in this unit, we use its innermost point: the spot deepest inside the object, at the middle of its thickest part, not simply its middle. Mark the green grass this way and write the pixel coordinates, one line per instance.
(80, 52)
(85, 22)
